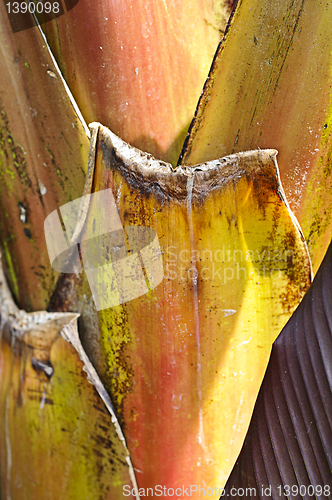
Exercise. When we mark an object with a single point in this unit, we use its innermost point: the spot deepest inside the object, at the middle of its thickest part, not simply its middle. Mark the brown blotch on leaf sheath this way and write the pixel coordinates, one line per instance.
(65, 293)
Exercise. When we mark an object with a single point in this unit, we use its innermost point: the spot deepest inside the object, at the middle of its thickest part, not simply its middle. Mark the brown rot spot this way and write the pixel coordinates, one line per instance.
(27, 233)
(231, 4)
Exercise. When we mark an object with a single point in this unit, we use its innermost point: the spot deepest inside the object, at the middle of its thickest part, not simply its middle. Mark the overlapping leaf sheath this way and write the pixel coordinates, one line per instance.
(57, 432)
(139, 66)
(184, 362)
(288, 450)
(43, 158)
(270, 86)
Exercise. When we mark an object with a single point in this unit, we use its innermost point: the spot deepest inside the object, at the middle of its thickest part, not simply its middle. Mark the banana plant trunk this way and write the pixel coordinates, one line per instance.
(140, 297)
